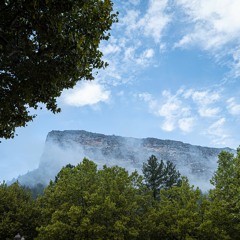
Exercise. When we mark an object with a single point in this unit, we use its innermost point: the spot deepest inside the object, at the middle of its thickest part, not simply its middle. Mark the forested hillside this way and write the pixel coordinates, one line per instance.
(84, 202)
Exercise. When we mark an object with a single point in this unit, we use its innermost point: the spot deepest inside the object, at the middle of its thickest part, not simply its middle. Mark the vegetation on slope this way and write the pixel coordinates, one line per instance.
(85, 202)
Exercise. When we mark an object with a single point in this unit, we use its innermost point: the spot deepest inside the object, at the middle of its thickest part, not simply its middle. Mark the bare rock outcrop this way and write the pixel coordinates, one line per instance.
(62, 147)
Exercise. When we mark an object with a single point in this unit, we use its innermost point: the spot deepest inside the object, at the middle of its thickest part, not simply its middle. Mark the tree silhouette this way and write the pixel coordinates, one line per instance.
(159, 175)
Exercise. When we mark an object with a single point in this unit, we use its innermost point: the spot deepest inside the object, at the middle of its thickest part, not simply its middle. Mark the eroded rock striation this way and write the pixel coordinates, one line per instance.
(71, 146)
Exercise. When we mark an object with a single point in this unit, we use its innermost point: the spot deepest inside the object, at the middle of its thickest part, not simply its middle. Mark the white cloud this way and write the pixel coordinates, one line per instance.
(233, 107)
(130, 21)
(186, 124)
(196, 111)
(151, 24)
(155, 20)
(168, 125)
(207, 24)
(147, 97)
(214, 23)
(143, 59)
(134, 2)
(131, 45)
(174, 113)
(85, 93)
(148, 53)
(110, 49)
(203, 99)
(213, 26)
(208, 112)
(170, 108)
(129, 53)
(236, 62)
(217, 132)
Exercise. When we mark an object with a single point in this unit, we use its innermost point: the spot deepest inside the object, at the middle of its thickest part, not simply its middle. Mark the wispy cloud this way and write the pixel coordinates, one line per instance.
(205, 100)
(135, 45)
(145, 56)
(214, 24)
(186, 124)
(134, 2)
(197, 111)
(136, 40)
(155, 20)
(204, 97)
(214, 27)
(171, 109)
(208, 112)
(152, 23)
(233, 107)
(111, 47)
(218, 133)
(86, 93)
(142, 32)
(235, 64)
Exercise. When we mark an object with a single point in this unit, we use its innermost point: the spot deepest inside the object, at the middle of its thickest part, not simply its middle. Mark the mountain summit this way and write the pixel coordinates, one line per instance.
(71, 146)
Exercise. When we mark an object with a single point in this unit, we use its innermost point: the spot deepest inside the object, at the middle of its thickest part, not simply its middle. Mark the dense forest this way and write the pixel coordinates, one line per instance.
(86, 202)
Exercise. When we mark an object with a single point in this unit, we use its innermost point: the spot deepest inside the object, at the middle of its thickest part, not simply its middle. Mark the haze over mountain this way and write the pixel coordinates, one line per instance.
(71, 146)
(174, 70)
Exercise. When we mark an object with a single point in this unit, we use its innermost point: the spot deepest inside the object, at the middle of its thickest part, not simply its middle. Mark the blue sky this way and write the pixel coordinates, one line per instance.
(174, 68)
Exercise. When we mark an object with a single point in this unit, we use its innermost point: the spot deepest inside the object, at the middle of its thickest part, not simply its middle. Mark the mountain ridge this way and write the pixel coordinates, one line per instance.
(70, 146)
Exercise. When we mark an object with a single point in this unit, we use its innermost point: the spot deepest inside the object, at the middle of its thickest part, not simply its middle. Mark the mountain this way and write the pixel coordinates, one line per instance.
(62, 147)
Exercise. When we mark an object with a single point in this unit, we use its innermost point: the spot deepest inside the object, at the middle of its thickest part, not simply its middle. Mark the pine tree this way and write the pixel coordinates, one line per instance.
(159, 175)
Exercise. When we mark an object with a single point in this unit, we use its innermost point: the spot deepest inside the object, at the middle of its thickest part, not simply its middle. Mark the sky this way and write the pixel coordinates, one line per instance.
(174, 69)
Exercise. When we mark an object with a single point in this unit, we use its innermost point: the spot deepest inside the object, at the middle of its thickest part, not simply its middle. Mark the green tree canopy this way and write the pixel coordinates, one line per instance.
(47, 46)
(87, 203)
(224, 212)
(17, 212)
(84, 202)
(179, 215)
(159, 175)
(179, 212)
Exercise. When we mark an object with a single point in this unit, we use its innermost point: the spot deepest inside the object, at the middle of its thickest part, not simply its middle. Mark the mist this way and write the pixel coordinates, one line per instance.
(70, 147)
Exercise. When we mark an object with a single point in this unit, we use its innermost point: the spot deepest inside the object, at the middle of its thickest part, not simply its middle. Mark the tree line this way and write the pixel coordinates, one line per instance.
(87, 202)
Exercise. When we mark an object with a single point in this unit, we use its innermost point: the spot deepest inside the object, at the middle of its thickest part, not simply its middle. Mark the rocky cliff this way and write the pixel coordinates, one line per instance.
(63, 147)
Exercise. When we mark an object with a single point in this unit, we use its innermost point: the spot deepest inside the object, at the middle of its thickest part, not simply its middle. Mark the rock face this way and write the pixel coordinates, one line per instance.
(63, 147)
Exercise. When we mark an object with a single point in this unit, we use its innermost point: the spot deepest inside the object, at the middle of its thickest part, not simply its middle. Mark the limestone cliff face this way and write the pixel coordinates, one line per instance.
(63, 147)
